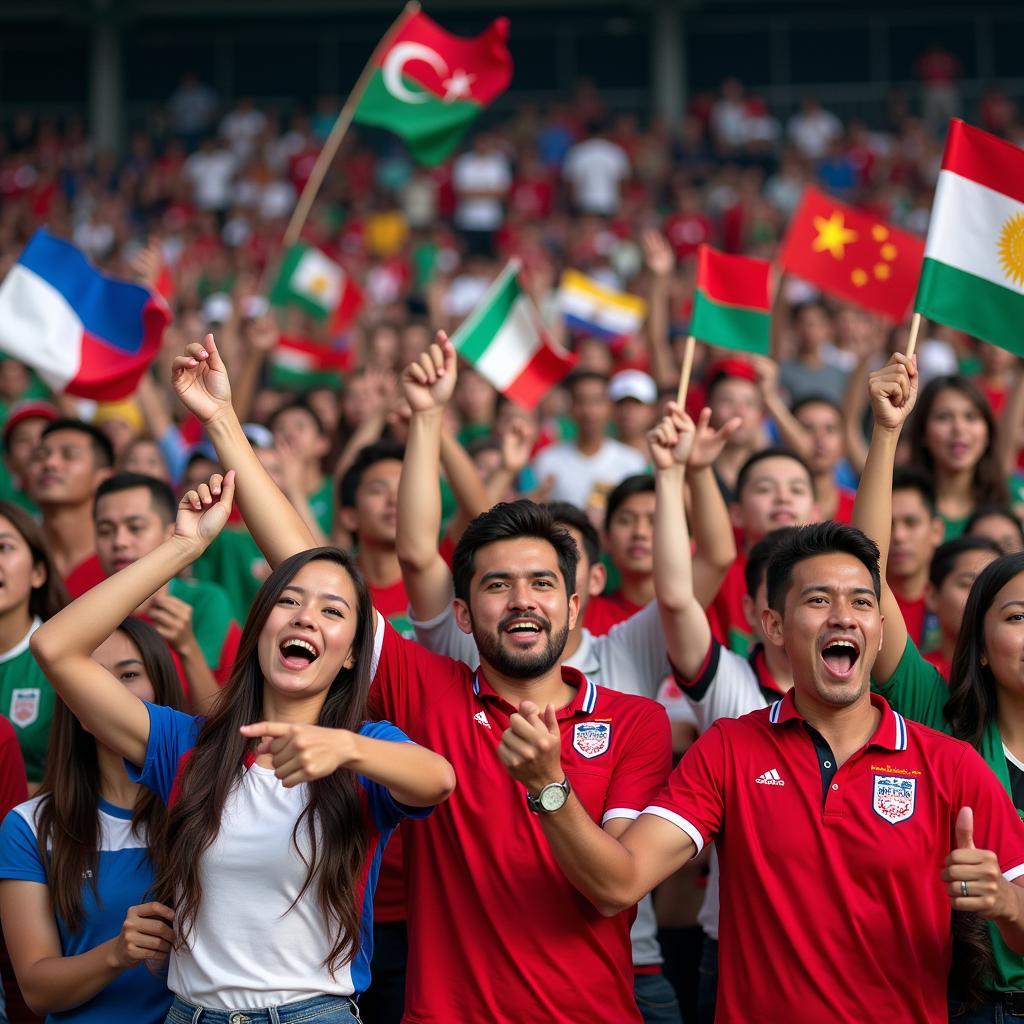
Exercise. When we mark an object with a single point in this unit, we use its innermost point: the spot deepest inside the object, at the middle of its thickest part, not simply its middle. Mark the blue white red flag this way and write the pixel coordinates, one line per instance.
(84, 333)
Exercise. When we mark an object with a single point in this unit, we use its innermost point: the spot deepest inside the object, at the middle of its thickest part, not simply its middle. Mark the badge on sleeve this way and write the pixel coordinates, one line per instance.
(25, 707)
(591, 739)
(894, 798)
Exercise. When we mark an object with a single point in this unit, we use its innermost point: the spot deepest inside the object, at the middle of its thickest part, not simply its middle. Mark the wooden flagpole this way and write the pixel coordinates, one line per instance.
(915, 327)
(684, 373)
(341, 126)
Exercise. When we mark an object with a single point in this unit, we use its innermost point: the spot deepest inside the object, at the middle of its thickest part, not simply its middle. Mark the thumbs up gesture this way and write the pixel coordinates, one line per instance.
(973, 880)
(531, 747)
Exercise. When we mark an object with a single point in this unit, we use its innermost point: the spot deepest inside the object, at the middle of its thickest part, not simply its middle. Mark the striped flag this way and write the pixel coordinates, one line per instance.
(590, 307)
(732, 305)
(973, 274)
(309, 279)
(301, 364)
(504, 341)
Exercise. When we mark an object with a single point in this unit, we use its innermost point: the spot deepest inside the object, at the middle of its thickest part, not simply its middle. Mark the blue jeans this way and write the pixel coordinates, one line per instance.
(317, 1010)
(656, 999)
(987, 1013)
(707, 982)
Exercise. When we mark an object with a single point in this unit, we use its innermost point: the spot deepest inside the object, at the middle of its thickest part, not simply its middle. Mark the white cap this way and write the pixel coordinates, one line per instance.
(633, 384)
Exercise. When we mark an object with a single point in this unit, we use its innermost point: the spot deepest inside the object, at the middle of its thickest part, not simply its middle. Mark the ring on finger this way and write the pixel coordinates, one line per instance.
(963, 888)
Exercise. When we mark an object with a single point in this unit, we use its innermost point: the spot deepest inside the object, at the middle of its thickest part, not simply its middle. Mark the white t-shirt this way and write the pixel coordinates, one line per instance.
(486, 172)
(578, 476)
(210, 175)
(596, 169)
(812, 133)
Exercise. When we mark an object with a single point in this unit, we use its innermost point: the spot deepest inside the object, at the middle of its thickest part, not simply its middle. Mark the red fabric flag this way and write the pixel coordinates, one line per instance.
(853, 255)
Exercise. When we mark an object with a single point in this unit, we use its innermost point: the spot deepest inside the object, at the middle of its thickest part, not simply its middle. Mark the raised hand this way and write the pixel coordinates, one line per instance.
(708, 442)
(893, 391)
(200, 380)
(202, 512)
(531, 747)
(428, 383)
(146, 264)
(145, 935)
(989, 895)
(658, 253)
(517, 443)
(263, 334)
(671, 440)
(767, 371)
(302, 753)
(172, 619)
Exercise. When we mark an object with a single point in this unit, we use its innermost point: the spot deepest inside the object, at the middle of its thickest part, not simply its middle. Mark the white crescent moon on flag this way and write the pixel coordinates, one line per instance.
(396, 61)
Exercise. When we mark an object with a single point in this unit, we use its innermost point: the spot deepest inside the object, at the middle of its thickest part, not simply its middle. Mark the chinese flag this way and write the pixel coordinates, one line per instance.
(853, 255)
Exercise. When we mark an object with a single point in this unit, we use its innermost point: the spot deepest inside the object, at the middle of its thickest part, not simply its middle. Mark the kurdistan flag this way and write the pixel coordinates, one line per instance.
(504, 341)
(732, 304)
(428, 86)
(973, 273)
(311, 280)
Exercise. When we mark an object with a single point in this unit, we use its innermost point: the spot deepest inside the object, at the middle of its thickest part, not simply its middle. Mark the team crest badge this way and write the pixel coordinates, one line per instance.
(591, 738)
(24, 707)
(894, 798)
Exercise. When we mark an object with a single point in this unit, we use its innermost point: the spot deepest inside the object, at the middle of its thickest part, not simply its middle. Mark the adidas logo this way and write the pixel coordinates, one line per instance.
(481, 719)
(770, 778)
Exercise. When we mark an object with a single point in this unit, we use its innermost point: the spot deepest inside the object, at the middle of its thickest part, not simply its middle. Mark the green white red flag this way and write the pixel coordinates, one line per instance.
(428, 85)
(973, 273)
(311, 280)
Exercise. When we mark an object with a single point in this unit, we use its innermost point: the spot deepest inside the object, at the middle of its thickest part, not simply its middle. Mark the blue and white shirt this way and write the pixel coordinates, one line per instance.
(124, 876)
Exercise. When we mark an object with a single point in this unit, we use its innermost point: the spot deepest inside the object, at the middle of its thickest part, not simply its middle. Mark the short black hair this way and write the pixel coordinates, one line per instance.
(379, 451)
(300, 403)
(801, 307)
(807, 400)
(995, 510)
(760, 456)
(944, 559)
(760, 555)
(828, 538)
(102, 449)
(639, 483)
(485, 443)
(578, 376)
(566, 514)
(161, 495)
(910, 478)
(507, 521)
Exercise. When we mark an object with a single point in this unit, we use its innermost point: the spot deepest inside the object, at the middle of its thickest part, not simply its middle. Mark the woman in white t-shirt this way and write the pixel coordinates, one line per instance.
(280, 802)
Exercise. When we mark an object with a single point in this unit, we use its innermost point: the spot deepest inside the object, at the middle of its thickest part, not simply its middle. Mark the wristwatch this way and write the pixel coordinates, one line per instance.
(550, 799)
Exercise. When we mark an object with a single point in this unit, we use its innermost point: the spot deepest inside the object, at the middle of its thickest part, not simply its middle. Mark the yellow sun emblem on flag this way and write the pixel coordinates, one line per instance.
(1011, 248)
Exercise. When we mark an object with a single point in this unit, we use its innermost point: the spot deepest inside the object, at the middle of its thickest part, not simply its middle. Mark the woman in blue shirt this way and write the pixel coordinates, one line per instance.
(75, 867)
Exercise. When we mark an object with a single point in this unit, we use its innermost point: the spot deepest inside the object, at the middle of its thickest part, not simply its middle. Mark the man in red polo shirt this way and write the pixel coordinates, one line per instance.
(497, 932)
(845, 833)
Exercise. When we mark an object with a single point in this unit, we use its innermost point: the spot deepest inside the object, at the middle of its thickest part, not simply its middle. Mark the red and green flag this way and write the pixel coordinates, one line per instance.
(428, 86)
(732, 305)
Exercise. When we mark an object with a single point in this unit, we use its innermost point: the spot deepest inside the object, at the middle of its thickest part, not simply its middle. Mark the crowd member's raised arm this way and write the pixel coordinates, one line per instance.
(893, 392)
(683, 620)
(471, 494)
(427, 384)
(63, 645)
(792, 434)
(200, 380)
(660, 261)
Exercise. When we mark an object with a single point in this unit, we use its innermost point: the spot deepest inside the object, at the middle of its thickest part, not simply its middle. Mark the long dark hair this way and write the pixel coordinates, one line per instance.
(50, 596)
(333, 809)
(972, 704)
(989, 487)
(67, 816)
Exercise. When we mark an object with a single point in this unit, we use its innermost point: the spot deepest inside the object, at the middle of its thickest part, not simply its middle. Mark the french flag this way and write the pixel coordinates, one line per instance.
(84, 333)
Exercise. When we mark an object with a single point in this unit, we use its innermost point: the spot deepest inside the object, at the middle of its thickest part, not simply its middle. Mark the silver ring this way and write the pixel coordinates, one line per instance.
(963, 888)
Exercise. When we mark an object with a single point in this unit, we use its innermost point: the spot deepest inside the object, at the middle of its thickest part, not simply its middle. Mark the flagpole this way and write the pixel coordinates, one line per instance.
(915, 326)
(341, 126)
(684, 373)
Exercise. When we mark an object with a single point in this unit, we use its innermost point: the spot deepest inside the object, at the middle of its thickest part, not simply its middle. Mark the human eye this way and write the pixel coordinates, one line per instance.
(128, 675)
(285, 599)
(334, 612)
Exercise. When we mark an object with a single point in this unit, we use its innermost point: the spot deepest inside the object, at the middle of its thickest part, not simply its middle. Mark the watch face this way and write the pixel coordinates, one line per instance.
(551, 798)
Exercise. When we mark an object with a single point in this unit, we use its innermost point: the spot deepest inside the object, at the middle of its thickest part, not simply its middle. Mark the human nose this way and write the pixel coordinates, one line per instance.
(521, 595)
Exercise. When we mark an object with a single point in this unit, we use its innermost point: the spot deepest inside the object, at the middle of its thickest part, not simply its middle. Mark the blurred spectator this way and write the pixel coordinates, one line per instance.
(210, 172)
(192, 106)
(939, 71)
(813, 129)
(481, 179)
(596, 169)
(811, 372)
(242, 127)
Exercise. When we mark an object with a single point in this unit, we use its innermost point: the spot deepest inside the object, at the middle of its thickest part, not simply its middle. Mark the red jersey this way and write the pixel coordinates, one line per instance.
(941, 662)
(914, 615)
(836, 871)
(844, 508)
(13, 783)
(497, 933)
(725, 614)
(605, 610)
(84, 576)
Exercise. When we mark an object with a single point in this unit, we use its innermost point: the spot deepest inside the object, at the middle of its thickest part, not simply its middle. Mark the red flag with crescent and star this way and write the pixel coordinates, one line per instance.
(853, 255)
(428, 86)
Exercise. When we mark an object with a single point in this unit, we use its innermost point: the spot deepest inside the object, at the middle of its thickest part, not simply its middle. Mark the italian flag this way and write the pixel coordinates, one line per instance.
(428, 86)
(732, 304)
(309, 279)
(504, 341)
(301, 364)
(973, 272)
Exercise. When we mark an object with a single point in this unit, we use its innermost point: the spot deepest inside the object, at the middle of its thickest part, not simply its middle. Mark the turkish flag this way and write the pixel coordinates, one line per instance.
(853, 255)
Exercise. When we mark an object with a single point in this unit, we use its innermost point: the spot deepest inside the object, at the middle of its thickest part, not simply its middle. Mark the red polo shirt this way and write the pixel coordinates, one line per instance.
(832, 904)
(497, 933)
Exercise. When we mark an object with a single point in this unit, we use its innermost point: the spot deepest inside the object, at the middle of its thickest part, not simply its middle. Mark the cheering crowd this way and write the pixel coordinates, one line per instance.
(374, 695)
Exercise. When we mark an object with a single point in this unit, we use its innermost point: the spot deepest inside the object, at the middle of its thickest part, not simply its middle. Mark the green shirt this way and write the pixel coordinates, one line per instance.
(954, 527)
(235, 562)
(917, 691)
(27, 699)
(321, 504)
(212, 614)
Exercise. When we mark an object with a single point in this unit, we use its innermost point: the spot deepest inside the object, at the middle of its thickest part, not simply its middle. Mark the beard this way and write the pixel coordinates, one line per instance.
(521, 664)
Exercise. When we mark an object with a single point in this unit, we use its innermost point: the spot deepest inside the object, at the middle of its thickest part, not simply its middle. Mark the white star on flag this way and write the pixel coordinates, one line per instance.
(458, 86)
